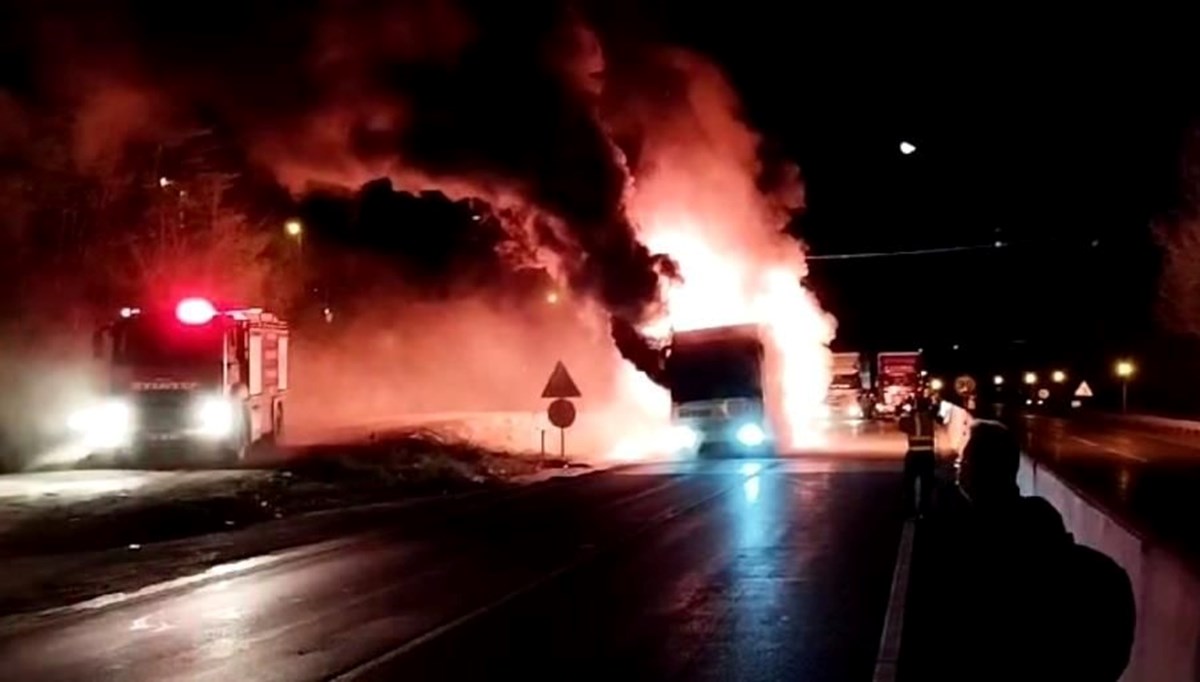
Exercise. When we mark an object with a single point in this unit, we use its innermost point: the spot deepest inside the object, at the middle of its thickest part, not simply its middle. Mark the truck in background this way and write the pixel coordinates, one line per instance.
(898, 382)
(190, 379)
(848, 387)
(715, 377)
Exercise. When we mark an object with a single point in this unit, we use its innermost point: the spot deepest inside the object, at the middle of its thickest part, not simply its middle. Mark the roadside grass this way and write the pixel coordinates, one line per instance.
(386, 468)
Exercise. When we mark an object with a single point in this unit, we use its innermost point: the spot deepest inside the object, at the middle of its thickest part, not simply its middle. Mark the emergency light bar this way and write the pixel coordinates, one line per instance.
(195, 311)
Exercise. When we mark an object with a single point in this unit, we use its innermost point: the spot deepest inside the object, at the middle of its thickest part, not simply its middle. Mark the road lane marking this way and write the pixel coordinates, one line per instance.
(1119, 453)
(392, 655)
(893, 620)
(230, 569)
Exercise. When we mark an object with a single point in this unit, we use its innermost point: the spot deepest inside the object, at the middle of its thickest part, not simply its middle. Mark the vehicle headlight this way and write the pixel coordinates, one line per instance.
(214, 416)
(751, 435)
(684, 437)
(107, 424)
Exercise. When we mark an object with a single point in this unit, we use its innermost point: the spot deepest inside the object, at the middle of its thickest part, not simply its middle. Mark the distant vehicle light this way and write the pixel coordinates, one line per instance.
(129, 312)
(195, 311)
(751, 435)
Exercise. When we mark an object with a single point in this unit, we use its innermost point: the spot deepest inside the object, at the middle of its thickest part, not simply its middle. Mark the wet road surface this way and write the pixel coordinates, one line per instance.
(1146, 476)
(712, 570)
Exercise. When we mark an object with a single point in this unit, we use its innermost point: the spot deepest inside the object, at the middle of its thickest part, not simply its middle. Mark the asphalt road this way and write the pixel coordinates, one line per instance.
(1147, 477)
(714, 570)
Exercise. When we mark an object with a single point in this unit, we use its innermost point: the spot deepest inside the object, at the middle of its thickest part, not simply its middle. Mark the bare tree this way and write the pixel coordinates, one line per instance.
(1178, 238)
(1178, 304)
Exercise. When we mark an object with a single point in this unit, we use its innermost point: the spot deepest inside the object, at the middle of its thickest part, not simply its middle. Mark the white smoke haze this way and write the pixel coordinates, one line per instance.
(471, 367)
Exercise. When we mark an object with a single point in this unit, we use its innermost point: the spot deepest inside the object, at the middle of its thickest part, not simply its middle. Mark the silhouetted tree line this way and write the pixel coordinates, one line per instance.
(79, 241)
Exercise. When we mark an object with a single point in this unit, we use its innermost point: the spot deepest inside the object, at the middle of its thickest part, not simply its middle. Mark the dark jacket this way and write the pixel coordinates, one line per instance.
(1019, 599)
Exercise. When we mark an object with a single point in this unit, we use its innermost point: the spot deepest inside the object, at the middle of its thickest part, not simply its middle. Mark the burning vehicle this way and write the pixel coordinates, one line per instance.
(195, 378)
(715, 377)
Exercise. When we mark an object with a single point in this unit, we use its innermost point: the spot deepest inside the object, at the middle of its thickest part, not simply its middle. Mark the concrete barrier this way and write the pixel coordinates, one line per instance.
(1167, 592)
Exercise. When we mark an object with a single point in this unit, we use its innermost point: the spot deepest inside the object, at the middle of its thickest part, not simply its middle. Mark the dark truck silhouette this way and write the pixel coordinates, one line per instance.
(715, 377)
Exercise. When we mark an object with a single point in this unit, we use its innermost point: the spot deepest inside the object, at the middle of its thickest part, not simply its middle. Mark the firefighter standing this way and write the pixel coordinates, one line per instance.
(919, 461)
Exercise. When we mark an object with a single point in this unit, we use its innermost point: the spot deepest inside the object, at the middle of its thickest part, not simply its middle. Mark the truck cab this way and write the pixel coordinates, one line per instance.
(899, 382)
(192, 378)
(846, 397)
(715, 377)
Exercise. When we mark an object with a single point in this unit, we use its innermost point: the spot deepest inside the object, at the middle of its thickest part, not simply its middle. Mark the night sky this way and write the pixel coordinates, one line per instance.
(1062, 142)
(1059, 138)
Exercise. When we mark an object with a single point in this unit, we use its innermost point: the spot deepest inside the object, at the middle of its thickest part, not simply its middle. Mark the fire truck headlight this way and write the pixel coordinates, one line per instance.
(106, 425)
(751, 435)
(214, 416)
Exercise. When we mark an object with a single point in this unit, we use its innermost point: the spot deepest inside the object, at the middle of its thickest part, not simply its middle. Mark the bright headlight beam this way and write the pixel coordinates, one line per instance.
(214, 416)
(105, 425)
(750, 435)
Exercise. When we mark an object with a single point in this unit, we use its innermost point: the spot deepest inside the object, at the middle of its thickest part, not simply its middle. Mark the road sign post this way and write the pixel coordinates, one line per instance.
(561, 411)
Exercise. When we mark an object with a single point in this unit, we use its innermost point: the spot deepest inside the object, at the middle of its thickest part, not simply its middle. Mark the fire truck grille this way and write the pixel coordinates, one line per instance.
(164, 413)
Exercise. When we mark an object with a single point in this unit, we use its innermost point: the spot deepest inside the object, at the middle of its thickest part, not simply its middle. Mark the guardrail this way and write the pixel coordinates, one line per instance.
(1166, 644)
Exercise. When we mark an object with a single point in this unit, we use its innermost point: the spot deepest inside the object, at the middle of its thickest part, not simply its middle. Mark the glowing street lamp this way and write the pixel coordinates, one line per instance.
(293, 228)
(998, 380)
(1058, 376)
(552, 297)
(1125, 370)
(907, 147)
(936, 384)
(1031, 378)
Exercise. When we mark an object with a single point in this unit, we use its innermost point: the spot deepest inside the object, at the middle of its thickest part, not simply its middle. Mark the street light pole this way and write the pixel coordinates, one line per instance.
(1124, 370)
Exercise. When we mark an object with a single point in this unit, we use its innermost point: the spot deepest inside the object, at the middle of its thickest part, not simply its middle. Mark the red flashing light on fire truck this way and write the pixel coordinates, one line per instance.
(195, 311)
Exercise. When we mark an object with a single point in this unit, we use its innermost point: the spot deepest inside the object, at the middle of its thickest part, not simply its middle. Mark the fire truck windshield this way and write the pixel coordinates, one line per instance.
(713, 372)
(156, 341)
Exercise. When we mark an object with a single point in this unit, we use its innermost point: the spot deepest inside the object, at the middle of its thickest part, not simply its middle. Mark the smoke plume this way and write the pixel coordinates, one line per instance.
(589, 142)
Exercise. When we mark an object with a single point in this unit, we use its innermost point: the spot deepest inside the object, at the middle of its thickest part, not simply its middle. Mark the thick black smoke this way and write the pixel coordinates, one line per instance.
(479, 98)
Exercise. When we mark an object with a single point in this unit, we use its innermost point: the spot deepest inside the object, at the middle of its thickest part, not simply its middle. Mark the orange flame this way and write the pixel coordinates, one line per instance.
(696, 197)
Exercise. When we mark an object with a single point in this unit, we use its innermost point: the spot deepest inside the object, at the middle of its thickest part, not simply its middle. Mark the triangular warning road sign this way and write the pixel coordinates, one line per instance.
(1084, 391)
(560, 384)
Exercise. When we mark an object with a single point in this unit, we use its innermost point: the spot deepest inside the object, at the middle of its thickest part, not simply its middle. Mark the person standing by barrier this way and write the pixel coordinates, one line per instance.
(1018, 598)
(919, 460)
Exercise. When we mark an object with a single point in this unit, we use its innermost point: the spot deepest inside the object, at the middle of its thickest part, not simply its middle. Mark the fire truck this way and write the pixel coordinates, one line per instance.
(194, 378)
